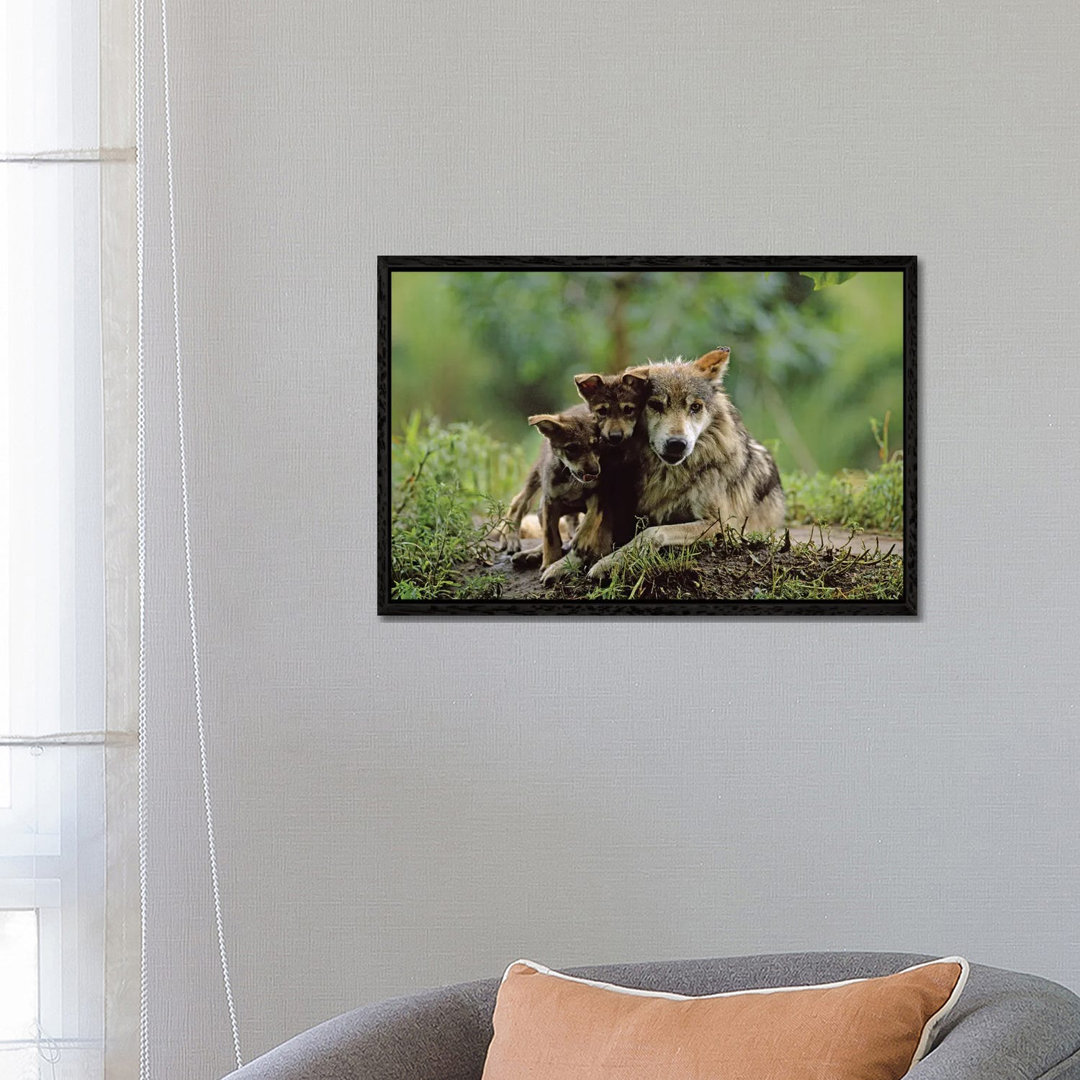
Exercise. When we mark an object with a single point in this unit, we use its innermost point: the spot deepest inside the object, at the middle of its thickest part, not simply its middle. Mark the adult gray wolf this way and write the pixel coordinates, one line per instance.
(697, 469)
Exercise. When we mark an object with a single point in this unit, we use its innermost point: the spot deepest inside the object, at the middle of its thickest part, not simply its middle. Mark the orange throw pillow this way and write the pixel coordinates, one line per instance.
(550, 1026)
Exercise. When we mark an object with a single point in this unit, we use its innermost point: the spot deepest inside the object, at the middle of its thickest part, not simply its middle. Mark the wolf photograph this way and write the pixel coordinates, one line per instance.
(647, 436)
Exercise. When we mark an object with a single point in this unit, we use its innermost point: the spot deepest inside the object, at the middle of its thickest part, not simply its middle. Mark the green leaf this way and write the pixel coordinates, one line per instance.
(823, 278)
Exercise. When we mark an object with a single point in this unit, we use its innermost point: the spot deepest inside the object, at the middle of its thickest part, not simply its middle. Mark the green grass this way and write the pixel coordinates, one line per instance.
(647, 567)
(449, 486)
(869, 501)
(872, 502)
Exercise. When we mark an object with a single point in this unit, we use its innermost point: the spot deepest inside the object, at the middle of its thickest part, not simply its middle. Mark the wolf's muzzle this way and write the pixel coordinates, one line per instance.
(674, 451)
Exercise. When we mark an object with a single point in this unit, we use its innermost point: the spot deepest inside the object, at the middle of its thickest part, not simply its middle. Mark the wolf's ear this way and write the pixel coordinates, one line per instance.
(635, 380)
(588, 386)
(546, 424)
(713, 364)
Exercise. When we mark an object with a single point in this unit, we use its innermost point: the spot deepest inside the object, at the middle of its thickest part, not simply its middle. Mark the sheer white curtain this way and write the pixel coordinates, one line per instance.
(57, 206)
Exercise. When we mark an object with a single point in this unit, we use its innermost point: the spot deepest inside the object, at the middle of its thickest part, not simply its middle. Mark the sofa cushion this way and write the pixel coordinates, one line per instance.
(552, 1026)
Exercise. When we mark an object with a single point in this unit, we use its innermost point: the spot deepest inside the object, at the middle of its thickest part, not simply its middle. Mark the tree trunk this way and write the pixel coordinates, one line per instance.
(620, 338)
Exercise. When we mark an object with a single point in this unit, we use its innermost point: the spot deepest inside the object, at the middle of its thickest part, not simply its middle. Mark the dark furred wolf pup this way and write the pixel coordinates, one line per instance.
(697, 468)
(614, 401)
(566, 473)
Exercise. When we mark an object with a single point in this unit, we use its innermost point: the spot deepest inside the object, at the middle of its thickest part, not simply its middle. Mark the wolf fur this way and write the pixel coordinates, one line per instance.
(693, 469)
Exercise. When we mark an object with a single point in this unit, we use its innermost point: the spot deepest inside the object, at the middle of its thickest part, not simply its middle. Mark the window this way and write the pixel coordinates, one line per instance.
(52, 799)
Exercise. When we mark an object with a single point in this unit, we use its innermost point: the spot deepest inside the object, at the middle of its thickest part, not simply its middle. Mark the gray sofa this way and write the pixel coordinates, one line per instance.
(1006, 1026)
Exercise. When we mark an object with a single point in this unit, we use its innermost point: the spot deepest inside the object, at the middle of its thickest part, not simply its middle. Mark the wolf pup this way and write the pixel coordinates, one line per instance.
(698, 467)
(615, 403)
(566, 473)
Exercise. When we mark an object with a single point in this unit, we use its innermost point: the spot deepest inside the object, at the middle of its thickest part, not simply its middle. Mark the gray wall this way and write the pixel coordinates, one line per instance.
(401, 804)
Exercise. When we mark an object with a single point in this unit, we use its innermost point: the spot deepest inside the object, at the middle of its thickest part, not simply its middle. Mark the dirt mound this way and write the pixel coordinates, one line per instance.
(809, 563)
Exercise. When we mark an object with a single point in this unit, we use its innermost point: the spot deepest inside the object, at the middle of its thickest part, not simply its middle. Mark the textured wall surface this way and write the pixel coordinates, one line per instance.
(402, 804)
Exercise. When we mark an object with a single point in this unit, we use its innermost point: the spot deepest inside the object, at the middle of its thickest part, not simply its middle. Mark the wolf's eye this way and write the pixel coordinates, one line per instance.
(656, 406)
(695, 406)
(602, 410)
(572, 449)
(628, 410)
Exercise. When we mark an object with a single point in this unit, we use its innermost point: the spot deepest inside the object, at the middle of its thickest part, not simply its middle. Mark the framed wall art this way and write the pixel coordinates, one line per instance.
(647, 436)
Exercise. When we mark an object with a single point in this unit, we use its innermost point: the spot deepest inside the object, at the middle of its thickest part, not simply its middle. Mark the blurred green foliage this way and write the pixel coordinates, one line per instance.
(464, 455)
(824, 278)
(811, 365)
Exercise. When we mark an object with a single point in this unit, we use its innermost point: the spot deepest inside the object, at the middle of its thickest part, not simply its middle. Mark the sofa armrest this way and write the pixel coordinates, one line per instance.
(1007, 1026)
(441, 1034)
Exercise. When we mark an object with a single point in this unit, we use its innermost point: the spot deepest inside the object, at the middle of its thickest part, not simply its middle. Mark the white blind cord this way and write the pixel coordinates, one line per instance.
(207, 804)
(140, 214)
(140, 94)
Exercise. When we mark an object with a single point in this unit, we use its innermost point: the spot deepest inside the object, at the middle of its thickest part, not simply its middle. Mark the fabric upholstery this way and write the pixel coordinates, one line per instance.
(1006, 1026)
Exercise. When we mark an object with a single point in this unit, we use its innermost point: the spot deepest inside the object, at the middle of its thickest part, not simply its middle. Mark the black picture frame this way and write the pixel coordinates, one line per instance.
(906, 605)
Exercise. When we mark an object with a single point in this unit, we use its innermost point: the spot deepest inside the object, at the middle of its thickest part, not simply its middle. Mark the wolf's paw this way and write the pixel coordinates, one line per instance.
(526, 560)
(561, 569)
(652, 537)
(504, 537)
(602, 568)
